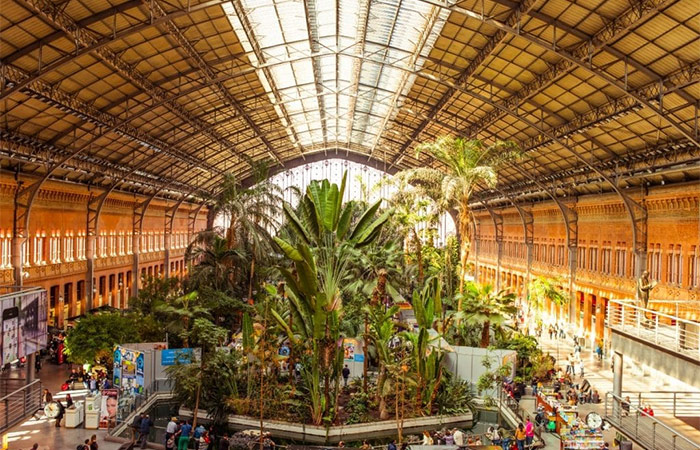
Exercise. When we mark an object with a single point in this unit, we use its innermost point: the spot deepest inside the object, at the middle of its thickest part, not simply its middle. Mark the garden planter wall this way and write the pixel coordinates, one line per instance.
(311, 434)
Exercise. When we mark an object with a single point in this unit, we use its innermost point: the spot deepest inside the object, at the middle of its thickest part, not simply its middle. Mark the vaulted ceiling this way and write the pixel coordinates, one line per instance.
(167, 96)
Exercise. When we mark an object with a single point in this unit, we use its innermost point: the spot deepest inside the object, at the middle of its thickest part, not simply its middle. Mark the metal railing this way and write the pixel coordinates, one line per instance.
(667, 403)
(646, 431)
(19, 404)
(670, 332)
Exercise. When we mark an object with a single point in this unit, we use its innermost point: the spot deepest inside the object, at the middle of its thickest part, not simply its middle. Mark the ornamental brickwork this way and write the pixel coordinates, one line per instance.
(605, 259)
(54, 253)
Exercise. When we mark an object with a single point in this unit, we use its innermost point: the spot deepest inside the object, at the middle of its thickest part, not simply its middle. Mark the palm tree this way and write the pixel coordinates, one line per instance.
(485, 307)
(411, 211)
(253, 213)
(182, 313)
(218, 265)
(466, 162)
(542, 288)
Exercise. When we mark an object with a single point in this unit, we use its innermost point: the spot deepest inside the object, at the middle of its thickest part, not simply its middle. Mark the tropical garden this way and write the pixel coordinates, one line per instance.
(272, 298)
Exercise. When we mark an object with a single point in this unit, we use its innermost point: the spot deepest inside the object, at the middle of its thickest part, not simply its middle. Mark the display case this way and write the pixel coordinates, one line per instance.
(92, 411)
(582, 439)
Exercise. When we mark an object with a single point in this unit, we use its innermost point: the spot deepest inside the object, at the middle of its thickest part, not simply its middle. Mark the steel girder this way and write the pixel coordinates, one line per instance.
(498, 237)
(85, 39)
(358, 49)
(54, 15)
(312, 29)
(653, 92)
(483, 53)
(582, 56)
(158, 12)
(137, 229)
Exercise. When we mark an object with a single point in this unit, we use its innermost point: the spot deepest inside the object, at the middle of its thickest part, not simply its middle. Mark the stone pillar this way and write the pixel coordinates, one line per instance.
(600, 318)
(587, 312)
(90, 240)
(617, 382)
(166, 243)
(135, 274)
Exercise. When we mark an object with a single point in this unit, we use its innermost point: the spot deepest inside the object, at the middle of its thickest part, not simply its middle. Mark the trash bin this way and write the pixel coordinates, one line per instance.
(625, 445)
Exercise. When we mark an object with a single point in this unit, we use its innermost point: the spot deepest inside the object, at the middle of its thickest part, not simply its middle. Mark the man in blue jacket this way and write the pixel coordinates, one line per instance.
(144, 430)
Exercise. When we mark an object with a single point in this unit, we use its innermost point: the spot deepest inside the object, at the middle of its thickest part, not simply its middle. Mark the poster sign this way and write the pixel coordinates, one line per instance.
(23, 323)
(109, 407)
(349, 346)
(10, 331)
(33, 318)
(174, 356)
(128, 370)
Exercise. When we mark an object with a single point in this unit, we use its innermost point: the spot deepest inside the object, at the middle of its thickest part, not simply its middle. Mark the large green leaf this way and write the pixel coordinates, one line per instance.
(247, 332)
(365, 220)
(289, 251)
(344, 221)
(284, 325)
(295, 223)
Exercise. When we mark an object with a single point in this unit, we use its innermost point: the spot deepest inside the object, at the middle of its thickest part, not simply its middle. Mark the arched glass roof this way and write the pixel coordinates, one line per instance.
(164, 97)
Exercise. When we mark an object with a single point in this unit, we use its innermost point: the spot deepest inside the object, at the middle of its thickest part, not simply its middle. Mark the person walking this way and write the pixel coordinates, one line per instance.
(520, 436)
(346, 375)
(135, 426)
(529, 433)
(224, 443)
(570, 365)
(170, 430)
(144, 430)
(93, 442)
(61, 413)
(184, 439)
(458, 437)
(392, 445)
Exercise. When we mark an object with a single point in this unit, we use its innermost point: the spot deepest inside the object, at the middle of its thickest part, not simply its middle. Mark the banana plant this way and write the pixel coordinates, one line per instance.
(381, 330)
(427, 357)
(323, 238)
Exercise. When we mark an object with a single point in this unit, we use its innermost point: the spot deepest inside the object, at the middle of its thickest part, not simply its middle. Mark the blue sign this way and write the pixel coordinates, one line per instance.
(359, 357)
(174, 356)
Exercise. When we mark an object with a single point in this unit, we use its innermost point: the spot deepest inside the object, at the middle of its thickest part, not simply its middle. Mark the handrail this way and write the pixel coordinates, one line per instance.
(670, 332)
(626, 417)
(26, 386)
(17, 405)
(682, 403)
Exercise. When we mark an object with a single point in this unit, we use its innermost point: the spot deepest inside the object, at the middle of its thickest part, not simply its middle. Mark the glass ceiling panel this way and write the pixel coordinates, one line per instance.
(331, 73)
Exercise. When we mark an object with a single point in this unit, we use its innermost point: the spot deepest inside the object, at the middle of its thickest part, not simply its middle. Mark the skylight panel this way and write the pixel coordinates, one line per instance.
(300, 76)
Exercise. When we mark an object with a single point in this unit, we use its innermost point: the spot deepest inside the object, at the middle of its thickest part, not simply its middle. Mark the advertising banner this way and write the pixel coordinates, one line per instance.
(10, 331)
(173, 356)
(23, 324)
(349, 346)
(33, 317)
(109, 407)
(128, 370)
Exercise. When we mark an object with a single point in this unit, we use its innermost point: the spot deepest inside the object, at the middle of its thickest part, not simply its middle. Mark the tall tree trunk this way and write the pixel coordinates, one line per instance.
(485, 332)
(464, 245)
(380, 397)
(365, 362)
(252, 276)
